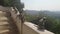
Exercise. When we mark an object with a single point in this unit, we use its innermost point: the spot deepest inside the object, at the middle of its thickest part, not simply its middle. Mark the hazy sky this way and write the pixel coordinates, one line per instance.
(42, 4)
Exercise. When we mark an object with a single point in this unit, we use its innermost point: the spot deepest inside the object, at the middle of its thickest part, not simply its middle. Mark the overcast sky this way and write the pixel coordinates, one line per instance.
(42, 4)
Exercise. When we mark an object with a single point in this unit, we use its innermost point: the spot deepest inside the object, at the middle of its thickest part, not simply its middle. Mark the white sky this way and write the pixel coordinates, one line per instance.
(42, 4)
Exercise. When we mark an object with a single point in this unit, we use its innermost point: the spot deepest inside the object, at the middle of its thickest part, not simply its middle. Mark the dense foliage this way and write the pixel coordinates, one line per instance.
(52, 24)
(5, 2)
(12, 3)
(9, 2)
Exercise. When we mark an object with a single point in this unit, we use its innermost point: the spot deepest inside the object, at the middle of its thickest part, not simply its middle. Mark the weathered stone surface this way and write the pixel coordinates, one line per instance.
(4, 28)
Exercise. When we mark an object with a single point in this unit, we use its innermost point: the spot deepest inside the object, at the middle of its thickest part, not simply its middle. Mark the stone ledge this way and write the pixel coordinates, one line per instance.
(33, 27)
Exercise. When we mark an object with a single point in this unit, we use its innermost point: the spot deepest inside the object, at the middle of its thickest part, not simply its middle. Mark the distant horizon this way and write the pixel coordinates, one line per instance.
(52, 5)
(43, 10)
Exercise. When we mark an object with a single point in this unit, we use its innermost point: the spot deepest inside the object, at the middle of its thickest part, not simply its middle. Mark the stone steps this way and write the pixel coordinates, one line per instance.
(4, 25)
(4, 32)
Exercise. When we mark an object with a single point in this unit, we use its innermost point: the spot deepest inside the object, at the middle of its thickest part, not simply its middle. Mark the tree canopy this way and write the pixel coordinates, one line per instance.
(52, 24)
(12, 3)
(9, 2)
